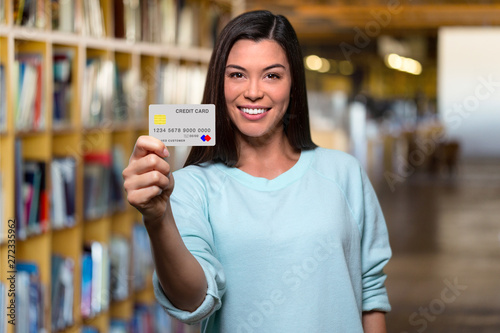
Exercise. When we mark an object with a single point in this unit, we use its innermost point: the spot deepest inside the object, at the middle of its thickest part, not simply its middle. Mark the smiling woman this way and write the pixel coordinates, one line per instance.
(257, 88)
(265, 232)
(281, 64)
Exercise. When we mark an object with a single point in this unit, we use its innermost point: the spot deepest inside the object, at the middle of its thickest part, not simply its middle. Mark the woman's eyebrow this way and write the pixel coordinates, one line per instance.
(236, 67)
(274, 66)
(265, 69)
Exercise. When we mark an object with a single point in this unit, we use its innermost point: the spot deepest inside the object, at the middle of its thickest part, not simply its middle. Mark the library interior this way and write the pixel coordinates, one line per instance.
(409, 88)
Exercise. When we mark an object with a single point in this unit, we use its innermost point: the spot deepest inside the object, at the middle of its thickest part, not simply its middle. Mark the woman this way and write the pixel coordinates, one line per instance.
(264, 232)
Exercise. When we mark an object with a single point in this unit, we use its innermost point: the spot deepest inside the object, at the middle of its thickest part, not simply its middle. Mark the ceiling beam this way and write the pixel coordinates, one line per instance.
(401, 16)
(318, 22)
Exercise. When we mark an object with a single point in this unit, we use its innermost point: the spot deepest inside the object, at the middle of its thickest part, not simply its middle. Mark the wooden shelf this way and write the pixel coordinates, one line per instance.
(195, 54)
(72, 137)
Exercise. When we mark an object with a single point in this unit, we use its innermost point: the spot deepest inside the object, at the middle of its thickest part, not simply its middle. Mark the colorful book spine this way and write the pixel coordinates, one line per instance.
(3, 99)
(97, 185)
(62, 292)
(95, 279)
(30, 104)
(3, 309)
(62, 93)
(142, 260)
(31, 193)
(63, 179)
(29, 299)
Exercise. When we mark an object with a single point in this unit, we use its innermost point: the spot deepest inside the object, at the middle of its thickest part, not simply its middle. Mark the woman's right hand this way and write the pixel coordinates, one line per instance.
(148, 180)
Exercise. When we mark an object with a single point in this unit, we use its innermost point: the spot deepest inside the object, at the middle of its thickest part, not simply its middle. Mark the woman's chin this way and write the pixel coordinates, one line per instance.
(258, 135)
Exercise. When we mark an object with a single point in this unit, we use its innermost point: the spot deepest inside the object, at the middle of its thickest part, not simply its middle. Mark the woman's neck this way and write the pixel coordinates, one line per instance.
(266, 157)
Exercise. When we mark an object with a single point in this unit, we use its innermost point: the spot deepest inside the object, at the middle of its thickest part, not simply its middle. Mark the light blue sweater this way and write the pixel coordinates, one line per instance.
(303, 252)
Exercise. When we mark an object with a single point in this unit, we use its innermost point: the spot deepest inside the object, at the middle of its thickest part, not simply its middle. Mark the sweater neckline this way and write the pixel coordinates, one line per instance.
(264, 184)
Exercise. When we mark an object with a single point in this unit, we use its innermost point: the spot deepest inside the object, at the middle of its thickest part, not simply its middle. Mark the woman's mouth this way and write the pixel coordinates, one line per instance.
(253, 111)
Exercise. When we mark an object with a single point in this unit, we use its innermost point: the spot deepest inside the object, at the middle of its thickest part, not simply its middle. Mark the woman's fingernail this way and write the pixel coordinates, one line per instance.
(165, 152)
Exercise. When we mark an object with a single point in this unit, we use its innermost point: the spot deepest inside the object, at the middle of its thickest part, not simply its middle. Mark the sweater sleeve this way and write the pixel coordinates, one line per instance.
(190, 210)
(375, 251)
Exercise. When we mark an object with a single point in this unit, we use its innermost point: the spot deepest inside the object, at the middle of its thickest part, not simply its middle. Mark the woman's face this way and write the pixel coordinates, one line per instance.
(257, 87)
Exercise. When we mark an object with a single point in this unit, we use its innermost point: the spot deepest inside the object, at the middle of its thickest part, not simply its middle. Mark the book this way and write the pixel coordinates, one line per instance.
(168, 14)
(97, 92)
(63, 15)
(18, 193)
(30, 13)
(22, 302)
(129, 96)
(166, 87)
(218, 16)
(142, 320)
(92, 103)
(32, 213)
(86, 292)
(117, 192)
(145, 33)
(120, 102)
(119, 17)
(97, 185)
(3, 308)
(105, 278)
(24, 12)
(30, 104)
(93, 22)
(154, 21)
(96, 252)
(119, 249)
(29, 298)
(62, 93)
(95, 279)
(3, 99)
(62, 269)
(118, 326)
(142, 261)
(135, 92)
(188, 28)
(41, 14)
(30, 195)
(2, 14)
(133, 31)
(89, 329)
(33, 180)
(153, 318)
(2, 213)
(162, 321)
(63, 178)
(180, 84)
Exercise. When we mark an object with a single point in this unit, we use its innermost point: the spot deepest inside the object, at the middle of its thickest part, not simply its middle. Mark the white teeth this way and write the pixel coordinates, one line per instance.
(253, 111)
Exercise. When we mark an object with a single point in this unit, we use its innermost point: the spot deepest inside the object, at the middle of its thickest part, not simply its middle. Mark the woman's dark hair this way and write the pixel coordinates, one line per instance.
(255, 26)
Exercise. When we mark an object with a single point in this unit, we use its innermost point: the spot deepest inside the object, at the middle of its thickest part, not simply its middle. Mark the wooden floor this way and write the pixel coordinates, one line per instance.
(445, 234)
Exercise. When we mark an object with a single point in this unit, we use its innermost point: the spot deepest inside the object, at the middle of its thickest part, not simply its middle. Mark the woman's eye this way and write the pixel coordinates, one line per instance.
(236, 75)
(273, 76)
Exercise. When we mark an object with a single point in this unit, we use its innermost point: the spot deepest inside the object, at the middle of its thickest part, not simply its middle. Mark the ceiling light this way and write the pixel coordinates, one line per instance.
(313, 62)
(325, 66)
(403, 64)
(346, 67)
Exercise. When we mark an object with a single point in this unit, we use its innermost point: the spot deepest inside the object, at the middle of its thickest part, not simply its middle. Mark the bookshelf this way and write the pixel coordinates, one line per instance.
(76, 79)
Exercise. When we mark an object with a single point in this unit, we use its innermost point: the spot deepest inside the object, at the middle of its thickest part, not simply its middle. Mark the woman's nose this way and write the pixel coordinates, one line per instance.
(253, 91)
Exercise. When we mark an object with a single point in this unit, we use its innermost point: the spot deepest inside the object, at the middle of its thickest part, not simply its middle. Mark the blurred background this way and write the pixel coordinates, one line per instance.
(412, 89)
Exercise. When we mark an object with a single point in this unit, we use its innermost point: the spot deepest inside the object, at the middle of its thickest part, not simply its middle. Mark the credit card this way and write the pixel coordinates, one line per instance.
(183, 124)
